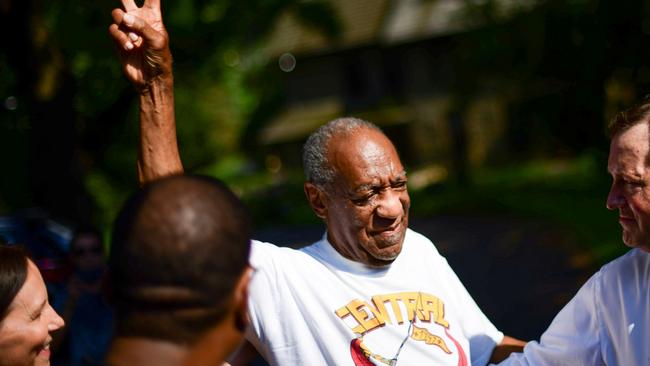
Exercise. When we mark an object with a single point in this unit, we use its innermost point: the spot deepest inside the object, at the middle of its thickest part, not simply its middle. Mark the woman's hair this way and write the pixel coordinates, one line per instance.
(13, 273)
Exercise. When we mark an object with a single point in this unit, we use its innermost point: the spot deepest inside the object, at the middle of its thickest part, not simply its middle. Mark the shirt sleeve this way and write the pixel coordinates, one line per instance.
(262, 302)
(573, 337)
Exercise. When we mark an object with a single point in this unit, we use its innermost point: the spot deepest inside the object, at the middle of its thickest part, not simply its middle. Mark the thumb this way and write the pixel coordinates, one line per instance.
(141, 27)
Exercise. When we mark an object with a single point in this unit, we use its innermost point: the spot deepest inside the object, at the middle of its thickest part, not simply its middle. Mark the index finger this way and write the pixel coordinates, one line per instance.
(129, 5)
(152, 3)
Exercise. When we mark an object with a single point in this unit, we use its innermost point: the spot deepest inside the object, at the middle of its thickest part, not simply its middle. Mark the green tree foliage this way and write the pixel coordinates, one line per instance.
(69, 124)
(68, 121)
(565, 66)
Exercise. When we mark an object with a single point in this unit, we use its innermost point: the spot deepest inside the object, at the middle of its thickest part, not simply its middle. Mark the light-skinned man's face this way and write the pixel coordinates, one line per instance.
(367, 208)
(630, 192)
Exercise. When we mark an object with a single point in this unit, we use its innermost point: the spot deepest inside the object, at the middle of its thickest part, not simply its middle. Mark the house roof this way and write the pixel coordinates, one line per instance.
(298, 121)
(361, 22)
(367, 22)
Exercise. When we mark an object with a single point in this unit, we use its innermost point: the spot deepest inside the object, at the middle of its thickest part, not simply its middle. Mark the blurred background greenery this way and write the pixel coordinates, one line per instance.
(498, 107)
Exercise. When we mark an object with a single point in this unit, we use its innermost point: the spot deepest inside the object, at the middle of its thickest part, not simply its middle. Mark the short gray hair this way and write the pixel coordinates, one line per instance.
(318, 169)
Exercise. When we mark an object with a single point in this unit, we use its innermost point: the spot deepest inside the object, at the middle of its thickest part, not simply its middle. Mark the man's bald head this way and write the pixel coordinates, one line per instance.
(179, 247)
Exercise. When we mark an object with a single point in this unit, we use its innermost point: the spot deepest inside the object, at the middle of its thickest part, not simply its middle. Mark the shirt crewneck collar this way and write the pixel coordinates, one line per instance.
(324, 249)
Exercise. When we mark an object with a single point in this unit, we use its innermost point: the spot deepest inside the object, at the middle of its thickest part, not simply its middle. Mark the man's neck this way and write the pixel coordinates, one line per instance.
(127, 351)
(215, 345)
(211, 349)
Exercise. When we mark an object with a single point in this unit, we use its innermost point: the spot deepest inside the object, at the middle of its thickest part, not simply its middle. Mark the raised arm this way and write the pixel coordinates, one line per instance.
(143, 48)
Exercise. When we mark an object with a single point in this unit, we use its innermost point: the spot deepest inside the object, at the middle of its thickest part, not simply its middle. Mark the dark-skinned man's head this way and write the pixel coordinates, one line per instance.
(356, 183)
(179, 261)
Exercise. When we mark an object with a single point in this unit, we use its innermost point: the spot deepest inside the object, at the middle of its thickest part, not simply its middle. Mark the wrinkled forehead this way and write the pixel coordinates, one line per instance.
(364, 152)
(630, 148)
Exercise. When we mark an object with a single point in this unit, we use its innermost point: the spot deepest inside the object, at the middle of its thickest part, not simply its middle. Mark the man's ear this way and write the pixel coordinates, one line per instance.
(317, 199)
(240, 297)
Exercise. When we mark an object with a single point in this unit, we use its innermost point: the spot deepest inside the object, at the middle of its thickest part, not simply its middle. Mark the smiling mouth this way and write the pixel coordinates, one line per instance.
(388, 237)
(45, 351)
(389, 230)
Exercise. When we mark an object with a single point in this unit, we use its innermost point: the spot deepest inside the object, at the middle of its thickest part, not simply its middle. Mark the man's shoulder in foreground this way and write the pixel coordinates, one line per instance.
(606, 323)
(635, 263)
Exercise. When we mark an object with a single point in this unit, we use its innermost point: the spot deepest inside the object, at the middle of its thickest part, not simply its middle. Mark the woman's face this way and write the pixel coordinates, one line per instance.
(25, 330)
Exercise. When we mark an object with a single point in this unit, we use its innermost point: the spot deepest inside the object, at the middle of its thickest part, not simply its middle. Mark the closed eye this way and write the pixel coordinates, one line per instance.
(363, 200)
(38, 312)
(401, 185)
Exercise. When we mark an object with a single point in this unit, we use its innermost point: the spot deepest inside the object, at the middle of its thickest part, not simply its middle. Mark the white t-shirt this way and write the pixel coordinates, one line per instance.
(314, 307)
(606, 323)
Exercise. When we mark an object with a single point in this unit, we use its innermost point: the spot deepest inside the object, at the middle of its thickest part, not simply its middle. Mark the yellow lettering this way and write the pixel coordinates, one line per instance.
(423, 335)
(379, 319)
(355, 308)
(431, 306)
(359, 310)
(440, 315)
(342, 312)
(382, 313)
(410, 300)
(424, 307)
(394, 302)
(427, 307)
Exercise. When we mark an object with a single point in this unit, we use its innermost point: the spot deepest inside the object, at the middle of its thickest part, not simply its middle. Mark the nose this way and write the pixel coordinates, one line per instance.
(615, 198)
(390, 206)
(56, 322)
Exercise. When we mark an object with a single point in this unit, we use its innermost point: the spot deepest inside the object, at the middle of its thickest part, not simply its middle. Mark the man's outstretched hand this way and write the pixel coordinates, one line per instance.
(142, 42)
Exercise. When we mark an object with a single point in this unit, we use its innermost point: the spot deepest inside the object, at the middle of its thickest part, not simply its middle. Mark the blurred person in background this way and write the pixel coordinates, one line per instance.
(27, 320)
(85, 309)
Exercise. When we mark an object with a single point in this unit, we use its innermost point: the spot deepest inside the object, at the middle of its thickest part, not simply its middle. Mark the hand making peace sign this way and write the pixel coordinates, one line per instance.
(142, 42)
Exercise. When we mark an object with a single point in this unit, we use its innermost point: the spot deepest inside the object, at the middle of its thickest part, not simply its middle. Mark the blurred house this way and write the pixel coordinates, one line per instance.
(393, 64)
